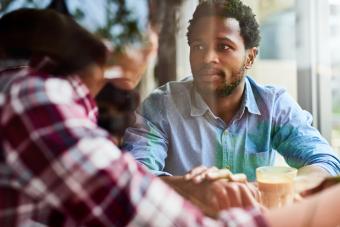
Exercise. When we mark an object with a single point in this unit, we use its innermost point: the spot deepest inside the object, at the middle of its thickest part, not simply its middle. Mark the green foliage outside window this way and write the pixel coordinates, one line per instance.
(120, 23)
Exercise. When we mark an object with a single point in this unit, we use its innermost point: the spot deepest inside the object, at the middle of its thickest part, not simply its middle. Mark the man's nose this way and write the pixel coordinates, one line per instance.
(211, 56)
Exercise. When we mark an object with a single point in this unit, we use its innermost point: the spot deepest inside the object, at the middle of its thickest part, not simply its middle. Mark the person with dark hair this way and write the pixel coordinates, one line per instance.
(221, 117)
(57, 167)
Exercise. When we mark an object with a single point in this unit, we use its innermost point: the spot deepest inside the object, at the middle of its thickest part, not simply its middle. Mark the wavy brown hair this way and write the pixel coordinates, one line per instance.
(37, 33)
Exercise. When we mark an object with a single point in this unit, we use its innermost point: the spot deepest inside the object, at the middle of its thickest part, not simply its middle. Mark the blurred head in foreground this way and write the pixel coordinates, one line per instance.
(55, 44)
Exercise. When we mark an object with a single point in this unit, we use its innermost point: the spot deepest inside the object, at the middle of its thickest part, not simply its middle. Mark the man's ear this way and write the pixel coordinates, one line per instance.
(251, 55)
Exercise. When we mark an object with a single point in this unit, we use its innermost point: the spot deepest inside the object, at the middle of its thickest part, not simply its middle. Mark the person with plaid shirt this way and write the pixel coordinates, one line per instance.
(58, 168)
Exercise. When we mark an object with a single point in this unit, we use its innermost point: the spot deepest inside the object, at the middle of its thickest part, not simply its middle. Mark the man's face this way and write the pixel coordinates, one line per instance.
(218, 56)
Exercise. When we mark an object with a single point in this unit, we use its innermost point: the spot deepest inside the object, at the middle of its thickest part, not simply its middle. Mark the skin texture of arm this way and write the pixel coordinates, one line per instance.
(318, 210)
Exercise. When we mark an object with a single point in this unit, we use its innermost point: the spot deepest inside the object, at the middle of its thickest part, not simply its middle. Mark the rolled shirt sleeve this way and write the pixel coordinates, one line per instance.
(297, 140)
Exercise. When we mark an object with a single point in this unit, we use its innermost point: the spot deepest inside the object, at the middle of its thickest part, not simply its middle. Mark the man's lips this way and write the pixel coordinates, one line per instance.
(211, 74)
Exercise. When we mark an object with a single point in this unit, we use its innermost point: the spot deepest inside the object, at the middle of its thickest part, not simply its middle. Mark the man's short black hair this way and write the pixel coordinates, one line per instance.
(229, 9)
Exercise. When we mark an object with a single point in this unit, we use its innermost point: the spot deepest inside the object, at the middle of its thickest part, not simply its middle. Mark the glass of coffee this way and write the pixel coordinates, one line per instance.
(276, 185)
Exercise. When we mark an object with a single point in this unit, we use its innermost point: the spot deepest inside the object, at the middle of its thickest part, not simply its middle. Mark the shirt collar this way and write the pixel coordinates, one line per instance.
(84, 97)
(249, 98)
(199, 107)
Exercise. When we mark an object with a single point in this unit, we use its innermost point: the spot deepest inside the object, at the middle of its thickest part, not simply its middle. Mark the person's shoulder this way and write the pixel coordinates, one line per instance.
(18, 82)
(171, 94)
(173, 89)
(37, 88)
(266, 90)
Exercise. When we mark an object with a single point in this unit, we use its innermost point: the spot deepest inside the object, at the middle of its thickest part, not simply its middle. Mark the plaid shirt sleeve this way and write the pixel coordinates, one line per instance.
(65, 171)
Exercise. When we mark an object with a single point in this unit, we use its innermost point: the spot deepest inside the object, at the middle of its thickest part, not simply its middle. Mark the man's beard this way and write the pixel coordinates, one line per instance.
(224, 90)
(228, 89)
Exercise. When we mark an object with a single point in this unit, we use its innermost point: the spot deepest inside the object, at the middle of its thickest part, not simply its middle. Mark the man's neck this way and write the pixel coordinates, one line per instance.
(226, 107)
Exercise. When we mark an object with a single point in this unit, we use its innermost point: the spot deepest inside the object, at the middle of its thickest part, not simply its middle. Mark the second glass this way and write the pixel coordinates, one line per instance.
(276, 185)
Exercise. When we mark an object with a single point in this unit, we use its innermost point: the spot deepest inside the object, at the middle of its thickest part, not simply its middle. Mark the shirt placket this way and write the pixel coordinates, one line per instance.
(227, 149)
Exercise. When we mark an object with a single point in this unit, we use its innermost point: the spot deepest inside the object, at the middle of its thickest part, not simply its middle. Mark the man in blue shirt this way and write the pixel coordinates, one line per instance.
(221, 117)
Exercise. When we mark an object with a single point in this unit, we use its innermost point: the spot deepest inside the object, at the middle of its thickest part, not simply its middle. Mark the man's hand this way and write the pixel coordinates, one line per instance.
(201, 173)
(215, 191)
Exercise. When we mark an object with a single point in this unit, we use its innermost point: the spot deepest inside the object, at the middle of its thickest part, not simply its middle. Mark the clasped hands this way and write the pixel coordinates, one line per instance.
(213, 189)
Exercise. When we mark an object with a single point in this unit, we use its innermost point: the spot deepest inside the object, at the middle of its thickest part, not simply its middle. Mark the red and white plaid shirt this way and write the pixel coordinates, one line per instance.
(58, 168)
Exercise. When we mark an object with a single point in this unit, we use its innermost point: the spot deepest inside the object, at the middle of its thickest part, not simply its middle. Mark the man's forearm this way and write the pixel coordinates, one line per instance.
(212, 196)
(186, 189)
(319, 210)
(176, 182)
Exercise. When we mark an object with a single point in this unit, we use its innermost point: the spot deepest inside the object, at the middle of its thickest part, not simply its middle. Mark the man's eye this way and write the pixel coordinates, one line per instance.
(223, 47)
(197, 47)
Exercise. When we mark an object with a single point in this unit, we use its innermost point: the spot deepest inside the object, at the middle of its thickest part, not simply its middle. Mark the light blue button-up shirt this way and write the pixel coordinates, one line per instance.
(176, 131)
